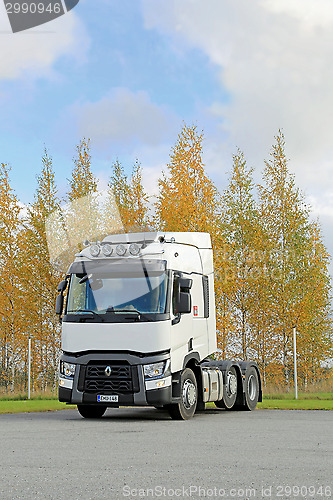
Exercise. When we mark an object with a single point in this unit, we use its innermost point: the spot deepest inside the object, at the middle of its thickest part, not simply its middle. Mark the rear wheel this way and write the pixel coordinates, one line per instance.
(230, 389)
(91, 411)
(188, 397)
(251, 388)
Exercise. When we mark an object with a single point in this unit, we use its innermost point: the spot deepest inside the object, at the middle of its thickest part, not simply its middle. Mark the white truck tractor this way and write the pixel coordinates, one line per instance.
(138, 328)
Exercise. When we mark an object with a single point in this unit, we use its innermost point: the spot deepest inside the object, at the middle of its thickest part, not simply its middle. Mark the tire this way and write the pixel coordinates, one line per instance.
(251, 386)
(200, 406)
(230, 390)
(188, 397)
(91, 411)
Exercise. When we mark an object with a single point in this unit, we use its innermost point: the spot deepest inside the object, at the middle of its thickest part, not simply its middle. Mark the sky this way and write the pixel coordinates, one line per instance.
(128, 73)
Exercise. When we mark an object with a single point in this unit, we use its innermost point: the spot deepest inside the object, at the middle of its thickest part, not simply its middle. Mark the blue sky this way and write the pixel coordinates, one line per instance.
(120, 59)
(128, 73)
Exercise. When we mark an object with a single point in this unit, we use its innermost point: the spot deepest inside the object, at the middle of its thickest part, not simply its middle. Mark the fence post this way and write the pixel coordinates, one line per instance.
(29, 366)
(295, 362)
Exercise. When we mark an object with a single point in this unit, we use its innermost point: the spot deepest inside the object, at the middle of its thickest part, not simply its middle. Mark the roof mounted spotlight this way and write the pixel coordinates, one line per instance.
(134, 249)
(121, 249)
(86, 243)
(172, 239)
(95, 250)
(107, 250)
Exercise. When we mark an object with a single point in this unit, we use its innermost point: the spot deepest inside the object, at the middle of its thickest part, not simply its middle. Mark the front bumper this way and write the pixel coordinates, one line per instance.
(126, 380)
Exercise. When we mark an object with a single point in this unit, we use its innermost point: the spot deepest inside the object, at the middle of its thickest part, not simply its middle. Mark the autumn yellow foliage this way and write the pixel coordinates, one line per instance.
(271, 264)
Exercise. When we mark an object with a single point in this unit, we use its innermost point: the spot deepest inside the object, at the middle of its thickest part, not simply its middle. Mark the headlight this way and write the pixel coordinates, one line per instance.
(156, 370)
(67, 369)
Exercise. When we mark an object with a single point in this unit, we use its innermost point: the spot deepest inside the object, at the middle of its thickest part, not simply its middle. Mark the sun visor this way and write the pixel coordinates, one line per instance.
(118, 267)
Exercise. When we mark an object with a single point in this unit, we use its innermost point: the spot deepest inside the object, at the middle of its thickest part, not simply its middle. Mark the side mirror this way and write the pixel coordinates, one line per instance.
(59, 304)
(185, 283)
(62, 286)
(184, 303)
(182, 297)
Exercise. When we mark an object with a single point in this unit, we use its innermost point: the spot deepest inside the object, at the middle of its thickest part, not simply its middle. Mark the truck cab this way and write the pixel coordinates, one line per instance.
(138, 325)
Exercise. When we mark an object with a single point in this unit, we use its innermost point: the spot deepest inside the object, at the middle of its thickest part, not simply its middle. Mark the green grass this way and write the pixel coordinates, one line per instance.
(32, 405)
(287, 401)
(305, 401)
(301, 395)
(296, 404)
(23, 397)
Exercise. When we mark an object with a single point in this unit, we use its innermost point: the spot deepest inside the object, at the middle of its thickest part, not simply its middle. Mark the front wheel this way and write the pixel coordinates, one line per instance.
(91, 411)
(185, 409)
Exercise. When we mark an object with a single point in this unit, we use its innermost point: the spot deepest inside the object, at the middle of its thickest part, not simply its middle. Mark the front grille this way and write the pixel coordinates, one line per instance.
(108, 386)
(117, 371)
(122, 378)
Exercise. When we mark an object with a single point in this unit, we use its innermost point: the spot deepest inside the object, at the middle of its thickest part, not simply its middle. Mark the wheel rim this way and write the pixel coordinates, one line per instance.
(231, 384)
(189, 394)
(252, 387)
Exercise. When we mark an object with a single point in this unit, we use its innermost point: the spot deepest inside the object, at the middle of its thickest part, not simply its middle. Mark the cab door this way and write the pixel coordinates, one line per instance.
(181, 324)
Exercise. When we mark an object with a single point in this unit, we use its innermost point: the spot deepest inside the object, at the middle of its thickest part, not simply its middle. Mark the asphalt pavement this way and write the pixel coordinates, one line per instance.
(142, 453)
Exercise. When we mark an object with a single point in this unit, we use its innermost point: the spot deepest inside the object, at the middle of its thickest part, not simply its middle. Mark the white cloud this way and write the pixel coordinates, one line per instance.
(322, 209)
(102, 180)
(321, 206)
(32, 53)
(310, 14)
(23, 210)
(274, 58)
(126, 118)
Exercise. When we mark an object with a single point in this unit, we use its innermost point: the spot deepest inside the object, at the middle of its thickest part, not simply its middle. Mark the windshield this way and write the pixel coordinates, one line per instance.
(113, 290)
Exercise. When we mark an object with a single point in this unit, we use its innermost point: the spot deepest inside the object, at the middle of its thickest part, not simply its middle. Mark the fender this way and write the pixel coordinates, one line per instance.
(193, 355)
(223, 365)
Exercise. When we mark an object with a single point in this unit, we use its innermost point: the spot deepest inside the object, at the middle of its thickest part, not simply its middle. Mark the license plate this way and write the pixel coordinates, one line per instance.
(107, 399)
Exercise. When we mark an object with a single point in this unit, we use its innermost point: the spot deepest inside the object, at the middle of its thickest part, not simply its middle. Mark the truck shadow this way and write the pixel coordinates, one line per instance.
(135, 413)
(128, 414)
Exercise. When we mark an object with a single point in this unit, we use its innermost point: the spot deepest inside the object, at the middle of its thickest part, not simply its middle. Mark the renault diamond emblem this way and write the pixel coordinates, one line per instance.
(108, 371)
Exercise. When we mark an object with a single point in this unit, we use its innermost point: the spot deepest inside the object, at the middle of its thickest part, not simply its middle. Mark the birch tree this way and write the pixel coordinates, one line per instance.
(241, 232)
(285, 218)
(189, 201)
(11, 290)
(41, 279)
(131, 199)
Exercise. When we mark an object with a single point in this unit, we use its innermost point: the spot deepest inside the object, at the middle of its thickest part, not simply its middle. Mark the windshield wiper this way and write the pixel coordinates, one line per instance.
(89, 311)
(135, 311)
